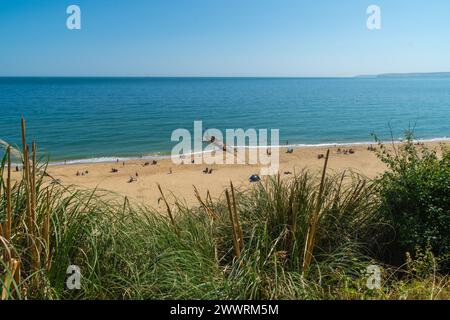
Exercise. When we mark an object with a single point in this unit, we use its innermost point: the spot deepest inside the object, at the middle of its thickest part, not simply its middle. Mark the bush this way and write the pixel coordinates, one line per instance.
(415, 193)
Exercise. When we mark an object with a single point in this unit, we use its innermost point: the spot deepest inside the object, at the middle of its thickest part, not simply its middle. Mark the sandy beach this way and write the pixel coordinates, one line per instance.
(178, 180)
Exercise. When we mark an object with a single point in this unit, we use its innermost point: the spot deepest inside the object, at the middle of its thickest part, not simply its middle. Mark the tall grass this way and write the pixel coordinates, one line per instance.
(248, 244)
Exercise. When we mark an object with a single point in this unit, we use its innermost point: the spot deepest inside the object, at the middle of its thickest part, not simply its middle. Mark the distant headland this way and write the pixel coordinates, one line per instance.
(409, 75)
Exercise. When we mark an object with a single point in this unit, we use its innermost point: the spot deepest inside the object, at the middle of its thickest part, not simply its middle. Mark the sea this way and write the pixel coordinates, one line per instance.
(102, 119)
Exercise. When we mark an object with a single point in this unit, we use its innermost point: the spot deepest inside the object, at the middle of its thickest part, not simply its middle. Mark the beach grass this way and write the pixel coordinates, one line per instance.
(310, 236)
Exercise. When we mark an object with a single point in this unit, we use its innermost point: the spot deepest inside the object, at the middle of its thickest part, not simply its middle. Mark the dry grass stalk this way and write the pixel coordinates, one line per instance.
(208, 210)
(208, 197)
(33, 182)
(5, 231)
(1, 226)
(126, 203)
(46, 231)
(26, 172)
(236, 218)
(236, 244)
(292, 225)
(30, 198)
(12, 274)
(8, 221)
(312, 228)
(169, 211)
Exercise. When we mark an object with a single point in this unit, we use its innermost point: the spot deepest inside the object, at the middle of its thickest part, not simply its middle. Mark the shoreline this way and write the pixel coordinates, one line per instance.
(161, 156)
(177, 180)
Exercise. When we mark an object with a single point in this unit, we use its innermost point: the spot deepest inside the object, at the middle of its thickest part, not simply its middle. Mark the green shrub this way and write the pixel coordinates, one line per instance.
(415, 193)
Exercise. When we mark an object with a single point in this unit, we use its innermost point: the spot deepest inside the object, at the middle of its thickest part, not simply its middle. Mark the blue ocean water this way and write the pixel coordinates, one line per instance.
(91, 118)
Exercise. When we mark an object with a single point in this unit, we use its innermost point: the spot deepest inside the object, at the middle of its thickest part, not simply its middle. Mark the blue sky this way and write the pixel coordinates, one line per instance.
(222, 38)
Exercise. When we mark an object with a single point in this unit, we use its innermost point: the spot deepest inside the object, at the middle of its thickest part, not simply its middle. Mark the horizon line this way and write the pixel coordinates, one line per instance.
(175, 76)
(228, 76)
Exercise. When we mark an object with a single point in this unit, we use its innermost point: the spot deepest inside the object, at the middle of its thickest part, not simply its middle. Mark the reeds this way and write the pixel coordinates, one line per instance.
(8, 220)
(12, 278)
(24, 223)
(11, 264)
(169, 210)
(30, 191)
(205, 204)
(237, 234)
(312, 226)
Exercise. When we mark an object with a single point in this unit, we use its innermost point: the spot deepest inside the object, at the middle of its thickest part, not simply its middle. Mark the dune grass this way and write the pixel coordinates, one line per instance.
(310, 236)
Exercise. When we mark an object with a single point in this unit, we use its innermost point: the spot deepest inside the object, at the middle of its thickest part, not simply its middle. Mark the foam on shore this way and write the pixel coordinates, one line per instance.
(159, 156)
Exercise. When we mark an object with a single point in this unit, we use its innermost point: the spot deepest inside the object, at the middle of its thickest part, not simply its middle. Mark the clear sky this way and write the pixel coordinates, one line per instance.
(223, 38)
